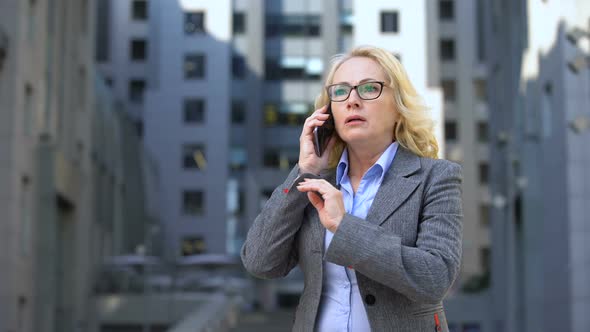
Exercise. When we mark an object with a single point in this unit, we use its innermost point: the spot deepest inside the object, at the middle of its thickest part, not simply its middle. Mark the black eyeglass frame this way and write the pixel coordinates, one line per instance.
(355, 87)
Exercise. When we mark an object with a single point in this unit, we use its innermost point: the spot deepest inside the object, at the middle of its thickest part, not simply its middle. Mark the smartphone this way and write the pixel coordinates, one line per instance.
(322, 134)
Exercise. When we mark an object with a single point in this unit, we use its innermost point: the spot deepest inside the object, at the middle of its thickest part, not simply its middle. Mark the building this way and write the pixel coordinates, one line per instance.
(541, 95)
(57, 222)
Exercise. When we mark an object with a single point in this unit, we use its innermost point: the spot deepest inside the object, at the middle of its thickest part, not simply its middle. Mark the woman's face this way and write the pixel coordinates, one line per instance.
(364, 121)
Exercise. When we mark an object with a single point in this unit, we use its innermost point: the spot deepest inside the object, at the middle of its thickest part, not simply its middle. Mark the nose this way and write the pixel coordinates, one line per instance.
(353, 100)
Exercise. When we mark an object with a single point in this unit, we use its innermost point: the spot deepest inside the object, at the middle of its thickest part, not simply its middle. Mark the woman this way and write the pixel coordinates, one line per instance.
(375, 223)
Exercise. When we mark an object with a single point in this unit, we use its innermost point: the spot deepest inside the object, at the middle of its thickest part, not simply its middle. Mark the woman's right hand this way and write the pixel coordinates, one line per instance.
(309, 162)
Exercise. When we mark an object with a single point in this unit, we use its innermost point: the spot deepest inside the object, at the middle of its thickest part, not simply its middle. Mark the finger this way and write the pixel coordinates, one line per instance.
(315, 200)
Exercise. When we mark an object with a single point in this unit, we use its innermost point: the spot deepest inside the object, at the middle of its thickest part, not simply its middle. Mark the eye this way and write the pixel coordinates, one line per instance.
(369, 87)
(340, 90)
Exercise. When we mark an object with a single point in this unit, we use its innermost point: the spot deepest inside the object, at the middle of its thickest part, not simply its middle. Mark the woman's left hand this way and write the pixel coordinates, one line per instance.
(326, 199)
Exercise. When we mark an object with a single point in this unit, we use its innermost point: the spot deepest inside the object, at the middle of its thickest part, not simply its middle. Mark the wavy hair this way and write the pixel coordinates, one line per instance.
(415, 128)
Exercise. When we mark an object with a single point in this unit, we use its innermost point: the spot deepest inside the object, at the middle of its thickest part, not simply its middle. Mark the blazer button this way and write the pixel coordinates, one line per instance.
(369, 299)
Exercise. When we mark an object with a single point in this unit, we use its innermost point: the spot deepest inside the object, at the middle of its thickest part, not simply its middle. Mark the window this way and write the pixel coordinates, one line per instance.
(239, 21)
(447, 49)
(103, 37)
(484, 215)
(136, 90)
(293, 68)
(282, 158)
(449, 90)
(389, 22)
(479, 87)
(238, 111)
(192, 245)
(194, 66)
(451, 130)
(483, 173)
(109, 81)
(237, 158)
(194, 23)
(446, 10)
(193, 156)
(194, 110)
(485, 259)
(293, 25)
(238, 67)
(286, 113)
(193, 202)
(138, 49)
(482, 132)
(139, 10)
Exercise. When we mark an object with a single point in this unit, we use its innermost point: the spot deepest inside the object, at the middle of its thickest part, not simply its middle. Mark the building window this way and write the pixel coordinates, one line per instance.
(482, 132)
(447, 49)
(194, 66)
(194, 23)
(138, 50)
(238, 67)
(446, 10)
(238, 112)
(286, 113)
(485, 259)
(136, 90)
(293, 25)
(483, 173)
(194, 110)
(193, 156)
(237, 158)
(389, 22)
(451, 130)
(192, 245)
(293, 68)
(139, 11)
(283, 158)
(479, 86)
(449, 90)
(193, 202)
(239, 23)
(484, 215)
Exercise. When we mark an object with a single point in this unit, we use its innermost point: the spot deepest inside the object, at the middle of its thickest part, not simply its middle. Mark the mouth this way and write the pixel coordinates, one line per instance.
(354, 119)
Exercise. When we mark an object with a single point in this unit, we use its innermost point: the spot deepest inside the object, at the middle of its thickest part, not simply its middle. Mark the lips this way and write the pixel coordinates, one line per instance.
(354, 119)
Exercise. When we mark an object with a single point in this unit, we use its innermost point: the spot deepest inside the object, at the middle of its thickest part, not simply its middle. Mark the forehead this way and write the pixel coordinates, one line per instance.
(356, 69)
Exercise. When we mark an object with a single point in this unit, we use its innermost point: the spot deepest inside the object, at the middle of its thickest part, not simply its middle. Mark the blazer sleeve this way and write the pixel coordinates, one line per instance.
(423, 273)
(270, 247)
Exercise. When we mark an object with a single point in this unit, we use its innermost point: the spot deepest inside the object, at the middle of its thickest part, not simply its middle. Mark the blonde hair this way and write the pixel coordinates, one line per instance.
(415, 128)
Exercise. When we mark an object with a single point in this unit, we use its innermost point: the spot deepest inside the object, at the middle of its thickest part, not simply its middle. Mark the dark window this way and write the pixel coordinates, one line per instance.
(389, 22)
(194, 110)
(449, 90)
(238, 158)
(271, 158)
(479, 85)
(239, 20)
(238, 111)
(447, 49)
(484, 215)
(482, 132)
(139, 10)
(485, 259)
(241, 203)
(293, 25)
(138, 49)
(194, 66)
(193, 202)
(103, 42)
(446, 10)
(284, 158)
(292, 68)
(451, 130)
(193, 156)
(194, 23)
(136, 90)
(238, 66)
(483, 173)
(192, 245)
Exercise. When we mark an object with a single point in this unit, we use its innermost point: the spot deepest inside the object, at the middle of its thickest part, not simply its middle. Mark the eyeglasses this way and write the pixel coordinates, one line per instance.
(366, 91)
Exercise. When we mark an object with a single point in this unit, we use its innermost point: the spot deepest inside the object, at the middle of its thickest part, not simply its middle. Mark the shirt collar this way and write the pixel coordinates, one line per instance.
(382, 164)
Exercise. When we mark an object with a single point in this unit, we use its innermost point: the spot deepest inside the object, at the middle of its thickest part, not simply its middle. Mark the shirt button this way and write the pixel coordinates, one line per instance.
(369, 299)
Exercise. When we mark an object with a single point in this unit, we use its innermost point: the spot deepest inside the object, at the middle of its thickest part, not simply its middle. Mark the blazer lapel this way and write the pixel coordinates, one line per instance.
(396, 187)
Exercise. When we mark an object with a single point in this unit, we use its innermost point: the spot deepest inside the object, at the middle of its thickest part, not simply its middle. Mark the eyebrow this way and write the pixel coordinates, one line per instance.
(360, 82)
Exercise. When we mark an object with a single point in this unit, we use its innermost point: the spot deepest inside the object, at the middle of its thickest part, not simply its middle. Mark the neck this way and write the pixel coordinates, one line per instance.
(361, 158)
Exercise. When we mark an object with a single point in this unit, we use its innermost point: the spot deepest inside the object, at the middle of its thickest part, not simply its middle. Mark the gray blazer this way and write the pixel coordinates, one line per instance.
(406, 254)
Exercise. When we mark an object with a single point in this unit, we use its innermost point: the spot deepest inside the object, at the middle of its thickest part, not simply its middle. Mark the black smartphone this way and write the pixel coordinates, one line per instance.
(322, 134)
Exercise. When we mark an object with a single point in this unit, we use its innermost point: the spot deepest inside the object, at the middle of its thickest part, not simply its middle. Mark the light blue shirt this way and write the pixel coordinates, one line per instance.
(341, 306)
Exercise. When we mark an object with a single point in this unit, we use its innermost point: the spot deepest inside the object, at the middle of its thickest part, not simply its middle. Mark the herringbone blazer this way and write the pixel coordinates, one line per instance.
(406, 253)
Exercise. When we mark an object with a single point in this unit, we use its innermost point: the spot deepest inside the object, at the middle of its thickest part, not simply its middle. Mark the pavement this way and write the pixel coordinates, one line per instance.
(256, 321)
